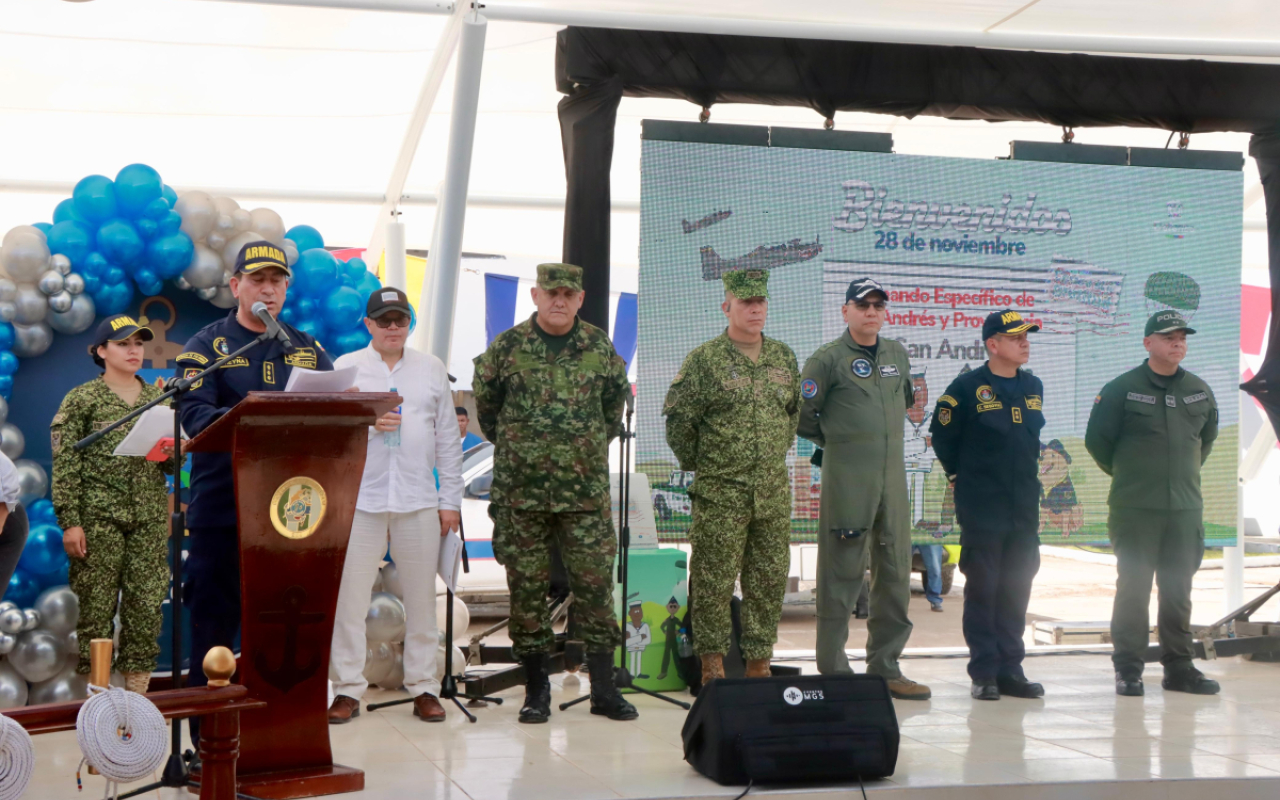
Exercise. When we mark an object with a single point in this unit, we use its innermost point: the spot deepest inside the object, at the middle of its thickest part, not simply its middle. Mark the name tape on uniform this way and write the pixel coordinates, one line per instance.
(1195, 398)
(888, 370)
(1142, 398)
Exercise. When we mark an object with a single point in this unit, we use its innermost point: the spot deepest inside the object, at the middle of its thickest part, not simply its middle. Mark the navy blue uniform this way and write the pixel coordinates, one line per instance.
(988, 441)
(212, 589)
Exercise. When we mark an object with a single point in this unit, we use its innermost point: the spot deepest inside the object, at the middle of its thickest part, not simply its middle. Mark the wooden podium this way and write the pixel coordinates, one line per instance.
(298, 459)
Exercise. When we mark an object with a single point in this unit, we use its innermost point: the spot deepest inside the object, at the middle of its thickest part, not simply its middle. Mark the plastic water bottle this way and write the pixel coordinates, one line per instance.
(392, 438)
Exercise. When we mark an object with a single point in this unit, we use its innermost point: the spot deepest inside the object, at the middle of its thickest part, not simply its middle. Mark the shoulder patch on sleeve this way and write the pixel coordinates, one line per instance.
(196, 357)
(949, 400)
(809, 388)
(944, 416)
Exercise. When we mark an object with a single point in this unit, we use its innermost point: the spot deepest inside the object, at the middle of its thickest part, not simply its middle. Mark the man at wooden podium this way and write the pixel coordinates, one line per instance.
(212, 590)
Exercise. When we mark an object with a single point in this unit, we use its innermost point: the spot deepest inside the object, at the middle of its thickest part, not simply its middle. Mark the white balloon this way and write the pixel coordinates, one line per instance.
(207, 293)
(12, 443)
(60, 264)
(461, 617)
(8, 289)
(30, 341)
(225, 225)
(59, 303)
(79, 317)
(198, 214)
(459, 661)
(31, 304)
(224, 298)
(25, 254)
(17, 231)
(205, 269)
(385, 619)
(225, 205)
(390, 577)
(216, 240)
(269, 224)
(242, 219)
(8, 311)
(395, 676)
(182, 283)
(379, 659)
(290, 254)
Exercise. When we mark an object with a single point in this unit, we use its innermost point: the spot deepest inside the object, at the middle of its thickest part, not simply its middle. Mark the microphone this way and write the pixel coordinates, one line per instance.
(274, 330)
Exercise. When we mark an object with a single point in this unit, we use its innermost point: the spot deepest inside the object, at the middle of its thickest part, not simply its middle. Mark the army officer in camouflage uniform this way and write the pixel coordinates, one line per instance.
(1151, 430)
(855, 391)
(549, 394)
(113, 509)
(731, 418)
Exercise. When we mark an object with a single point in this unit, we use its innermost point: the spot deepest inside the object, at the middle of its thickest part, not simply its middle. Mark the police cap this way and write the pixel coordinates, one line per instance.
(1167, 322)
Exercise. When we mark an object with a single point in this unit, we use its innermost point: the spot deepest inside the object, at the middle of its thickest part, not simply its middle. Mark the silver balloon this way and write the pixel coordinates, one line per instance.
(59, 609)
(12, 442)
(8, 311)
(4, 415)
(30, 341)
(268, 223)
(216, 240)
(378, 661)
(64, 687)
(224, 226)
(384, 621)
(37, 656)
(231, 250)
(226, 279)
(224, 298)
(78, 317)
(225, 205)
(11, 621)
(208, 293)
(73, 283)
(50, 282)
(13, 687)
(395, 675)
(6, 643)
(8, 290)
(25, 254)
(59, 303)
(181, 283)
(5, 605)
(290, 254)
(457, 659)
(71, 645)
(205, 269)
(60, 264)
(243, 221)
(31, 304)
(30, 619)
(391, 581)
(198, 214)
(377, 583)
(33, 482)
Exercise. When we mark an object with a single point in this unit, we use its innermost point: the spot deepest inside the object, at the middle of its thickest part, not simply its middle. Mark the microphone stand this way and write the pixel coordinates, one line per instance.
(621, 675)
(176, 773)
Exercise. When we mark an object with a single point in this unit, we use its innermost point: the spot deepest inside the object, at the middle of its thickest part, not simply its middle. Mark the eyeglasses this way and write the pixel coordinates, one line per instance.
(387, 320)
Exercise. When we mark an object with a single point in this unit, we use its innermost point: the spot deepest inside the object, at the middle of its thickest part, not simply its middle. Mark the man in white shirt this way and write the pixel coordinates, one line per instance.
(399, 502)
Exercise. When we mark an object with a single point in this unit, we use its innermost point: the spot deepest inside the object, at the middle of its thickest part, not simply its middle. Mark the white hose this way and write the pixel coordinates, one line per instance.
(121, 734)
(17, 759)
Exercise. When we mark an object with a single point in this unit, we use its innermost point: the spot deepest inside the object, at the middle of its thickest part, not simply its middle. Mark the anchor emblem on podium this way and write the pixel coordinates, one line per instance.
(289, 673)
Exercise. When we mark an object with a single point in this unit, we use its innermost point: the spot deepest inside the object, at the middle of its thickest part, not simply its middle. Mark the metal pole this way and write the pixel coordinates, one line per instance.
(452, 211)
(422, 335)
(395, 256)
(1251, 464)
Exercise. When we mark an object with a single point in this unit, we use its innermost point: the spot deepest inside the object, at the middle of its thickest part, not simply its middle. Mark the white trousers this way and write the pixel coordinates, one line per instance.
(415, 547)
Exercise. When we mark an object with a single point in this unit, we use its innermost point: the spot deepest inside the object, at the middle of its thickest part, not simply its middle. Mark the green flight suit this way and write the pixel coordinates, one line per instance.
(1151, 433)
(732, 422)
(853, 404)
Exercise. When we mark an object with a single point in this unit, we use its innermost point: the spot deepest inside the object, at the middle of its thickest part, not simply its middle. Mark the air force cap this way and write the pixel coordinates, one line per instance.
(261, 255)
(862, 287)
(1007, 322)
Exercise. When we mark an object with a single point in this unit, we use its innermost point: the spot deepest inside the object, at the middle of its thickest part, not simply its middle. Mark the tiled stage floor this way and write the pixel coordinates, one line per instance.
(1080, 741)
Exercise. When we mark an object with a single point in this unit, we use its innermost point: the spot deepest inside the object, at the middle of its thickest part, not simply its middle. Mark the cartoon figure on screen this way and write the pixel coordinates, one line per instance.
(638, 638)
(671, 629)
(1059, 508)
(917, 444)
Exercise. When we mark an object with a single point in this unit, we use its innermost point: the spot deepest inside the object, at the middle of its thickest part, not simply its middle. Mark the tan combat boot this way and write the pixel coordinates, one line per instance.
(712, 667)
(137, 682)
(758, 668)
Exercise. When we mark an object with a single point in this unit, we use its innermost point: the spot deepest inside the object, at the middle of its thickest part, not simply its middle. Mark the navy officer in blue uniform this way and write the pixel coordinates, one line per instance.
(986, 434)
(212, 590)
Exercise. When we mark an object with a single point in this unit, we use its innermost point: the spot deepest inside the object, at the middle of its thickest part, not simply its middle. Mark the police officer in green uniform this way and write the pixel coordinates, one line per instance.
(1151, 430)
(854, 392)
(731, 418)
(986, 434)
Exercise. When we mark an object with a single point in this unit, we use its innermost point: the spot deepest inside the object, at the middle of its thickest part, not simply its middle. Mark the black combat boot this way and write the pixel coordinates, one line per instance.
(537, 690)
(606, 700)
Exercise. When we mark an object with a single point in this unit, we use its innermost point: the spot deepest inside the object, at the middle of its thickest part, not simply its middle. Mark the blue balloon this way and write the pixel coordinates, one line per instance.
(157, 209)
(43, 553)
(353, 271)
(305, 237)
(43, 227)
(22, 589)
(305, 308)
(113, 275)
(72, 239)
(170, 255)
(8, 363)
(92, 283)
(113, 298)
(119, 242)
(148, 229)
(368, 284)
(136, 186)
(169, 194)
(6, 336)
(95, 198)
(287, 315)
(343, 309)
(170, 224)
(350, 341)
(66, 210)
(6, 386)
(60, 577)
(148, 282)
(313, 327)
(314, 273)
(42, 511)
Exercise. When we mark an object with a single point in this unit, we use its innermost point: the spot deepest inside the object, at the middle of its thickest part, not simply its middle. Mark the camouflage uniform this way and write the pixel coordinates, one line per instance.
(731, 422)
(123, 505)
(551, 418)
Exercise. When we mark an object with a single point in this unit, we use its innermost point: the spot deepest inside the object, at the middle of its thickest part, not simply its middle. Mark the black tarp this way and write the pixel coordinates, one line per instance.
(596, 67)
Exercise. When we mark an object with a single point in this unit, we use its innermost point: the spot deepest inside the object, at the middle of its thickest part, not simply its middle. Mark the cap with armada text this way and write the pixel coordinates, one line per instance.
(747, 283)
(117, 329)
(1167, 322)
(261, 255)
(555, 276)
(862, 287)
(386, 300)
(1007, 322)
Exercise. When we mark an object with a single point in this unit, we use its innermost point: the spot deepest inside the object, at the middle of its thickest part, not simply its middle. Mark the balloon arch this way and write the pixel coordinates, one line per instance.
(107, 241)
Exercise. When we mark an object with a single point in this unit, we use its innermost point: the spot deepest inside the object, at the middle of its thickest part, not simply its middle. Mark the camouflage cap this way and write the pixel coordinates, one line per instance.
(553, 276)
(748, 283)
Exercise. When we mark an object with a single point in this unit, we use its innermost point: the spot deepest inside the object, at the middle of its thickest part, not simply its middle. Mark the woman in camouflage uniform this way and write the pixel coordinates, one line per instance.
(113, 509)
